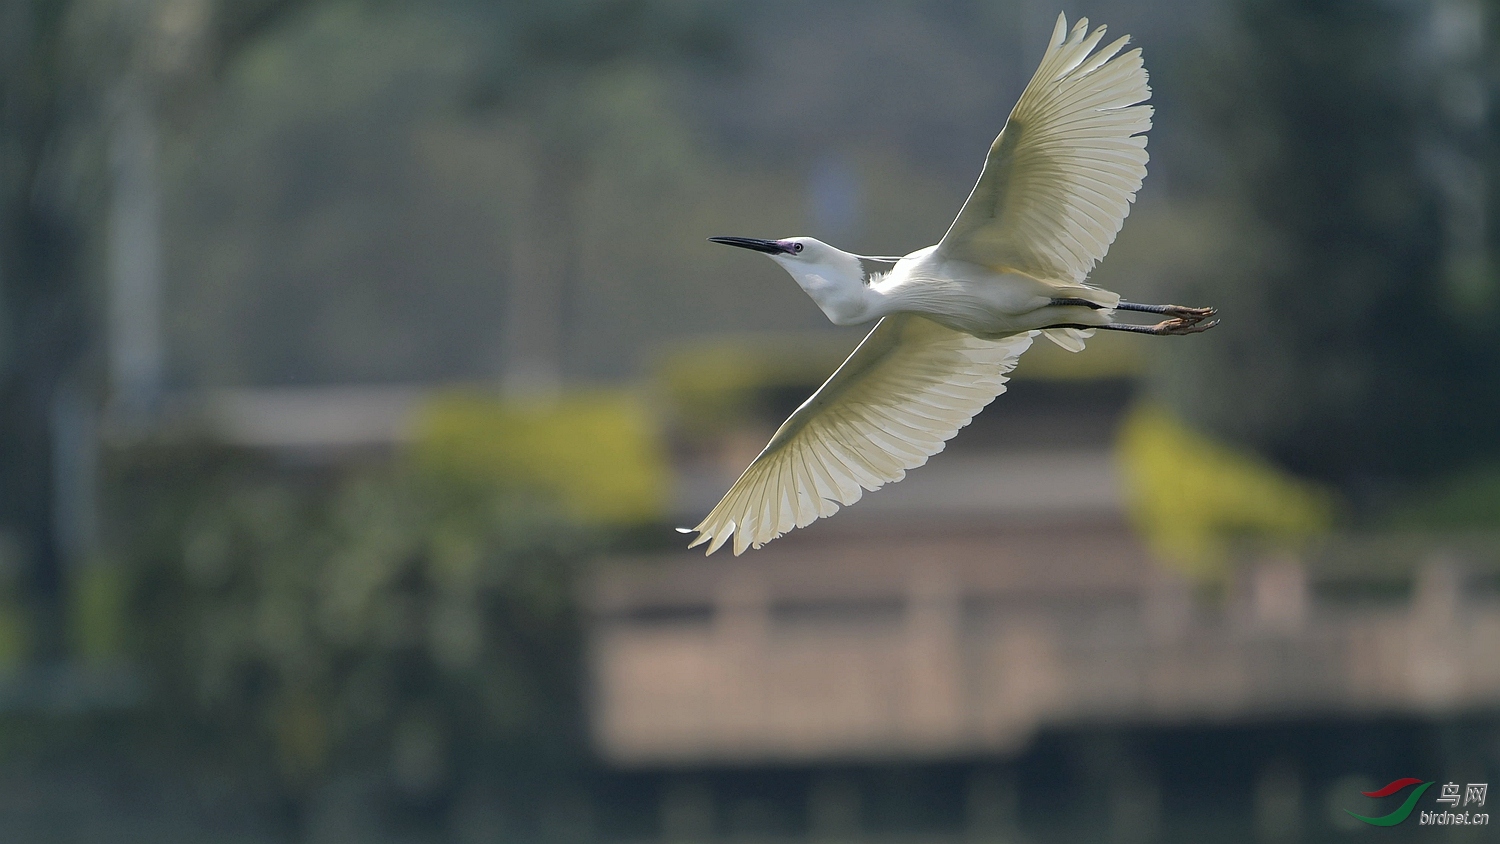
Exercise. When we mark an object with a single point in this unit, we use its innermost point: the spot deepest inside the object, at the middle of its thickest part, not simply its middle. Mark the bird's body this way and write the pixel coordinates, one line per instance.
(955, 316)
(959, 294)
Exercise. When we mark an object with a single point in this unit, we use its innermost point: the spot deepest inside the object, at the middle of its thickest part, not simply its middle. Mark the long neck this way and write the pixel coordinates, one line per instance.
(838, 287)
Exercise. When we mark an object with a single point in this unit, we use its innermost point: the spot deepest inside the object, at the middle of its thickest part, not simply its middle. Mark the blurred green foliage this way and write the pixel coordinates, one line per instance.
(14, 628)
(1192, 497)
(411, 618)
(597, 454)
(712, 387)
(716, 386)
(1361, 336)
(98, 615)
(1467, 500)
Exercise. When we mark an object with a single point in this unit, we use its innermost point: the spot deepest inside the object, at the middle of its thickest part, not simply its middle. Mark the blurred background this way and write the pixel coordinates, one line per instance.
(357, 358)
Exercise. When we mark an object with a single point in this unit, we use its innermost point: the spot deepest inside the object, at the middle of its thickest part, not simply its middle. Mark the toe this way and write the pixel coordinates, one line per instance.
(1190, 314)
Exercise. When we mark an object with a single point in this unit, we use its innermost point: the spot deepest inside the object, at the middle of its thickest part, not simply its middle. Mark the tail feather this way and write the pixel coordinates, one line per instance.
(1069, 338)
(1072, 338)
(1097, 295)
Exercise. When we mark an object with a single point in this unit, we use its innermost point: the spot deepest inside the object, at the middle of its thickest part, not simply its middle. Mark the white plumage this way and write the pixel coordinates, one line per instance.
(1060, 177)
(1055, 189)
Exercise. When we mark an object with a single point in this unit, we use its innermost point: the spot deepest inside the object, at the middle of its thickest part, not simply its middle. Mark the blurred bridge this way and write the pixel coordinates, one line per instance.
(871, 642)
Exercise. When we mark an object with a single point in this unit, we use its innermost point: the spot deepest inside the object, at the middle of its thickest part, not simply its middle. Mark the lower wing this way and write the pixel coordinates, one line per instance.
(903, 393)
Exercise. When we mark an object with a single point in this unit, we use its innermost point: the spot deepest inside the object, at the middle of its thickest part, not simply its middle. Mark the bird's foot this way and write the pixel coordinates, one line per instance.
(1185, 325)
(1189, 315)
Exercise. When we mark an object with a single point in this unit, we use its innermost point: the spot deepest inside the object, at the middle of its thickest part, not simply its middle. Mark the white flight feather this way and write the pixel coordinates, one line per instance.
(1060, 177)
(904, 392)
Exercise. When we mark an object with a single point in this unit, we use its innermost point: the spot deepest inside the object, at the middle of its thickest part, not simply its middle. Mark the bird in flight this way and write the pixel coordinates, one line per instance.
(954, 317)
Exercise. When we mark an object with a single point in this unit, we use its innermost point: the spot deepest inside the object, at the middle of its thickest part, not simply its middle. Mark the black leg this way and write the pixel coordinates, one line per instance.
(1178, 311)
(1083, 303)
(1165, 328)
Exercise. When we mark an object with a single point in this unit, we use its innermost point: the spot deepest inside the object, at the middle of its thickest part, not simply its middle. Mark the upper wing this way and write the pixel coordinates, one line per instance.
(906, 390)
(1060, 178)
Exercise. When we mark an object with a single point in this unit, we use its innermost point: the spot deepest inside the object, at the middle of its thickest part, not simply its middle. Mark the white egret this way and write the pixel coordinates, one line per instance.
(954, 317)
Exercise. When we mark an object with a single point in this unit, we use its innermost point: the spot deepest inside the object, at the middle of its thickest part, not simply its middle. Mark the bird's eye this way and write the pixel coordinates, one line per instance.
(796, 247)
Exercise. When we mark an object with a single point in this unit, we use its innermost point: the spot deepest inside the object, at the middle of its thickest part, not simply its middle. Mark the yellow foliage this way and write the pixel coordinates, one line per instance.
(1190, 495)
(598, 452)
(714, 385)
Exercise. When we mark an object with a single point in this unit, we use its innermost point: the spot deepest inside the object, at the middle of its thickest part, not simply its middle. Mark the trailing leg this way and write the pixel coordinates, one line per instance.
(1165, 328)
(1073, 302)
(1179, 311)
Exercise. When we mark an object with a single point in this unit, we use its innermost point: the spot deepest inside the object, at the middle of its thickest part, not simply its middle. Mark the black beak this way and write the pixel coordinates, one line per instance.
(770, 247)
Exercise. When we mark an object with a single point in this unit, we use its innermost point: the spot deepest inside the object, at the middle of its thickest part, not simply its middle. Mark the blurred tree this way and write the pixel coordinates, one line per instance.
(82, 83)
(1353, 349)
(548, 52)
(42, 300)
(407, 628)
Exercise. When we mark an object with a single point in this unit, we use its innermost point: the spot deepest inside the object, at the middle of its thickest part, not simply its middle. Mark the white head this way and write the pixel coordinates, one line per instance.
(833, 278)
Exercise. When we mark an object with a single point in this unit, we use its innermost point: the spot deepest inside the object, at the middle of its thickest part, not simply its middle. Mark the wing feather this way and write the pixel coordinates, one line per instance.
(908, 388)
(1059, 179)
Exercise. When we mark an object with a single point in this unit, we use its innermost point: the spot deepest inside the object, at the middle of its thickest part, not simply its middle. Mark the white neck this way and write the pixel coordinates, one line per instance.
(837, 284)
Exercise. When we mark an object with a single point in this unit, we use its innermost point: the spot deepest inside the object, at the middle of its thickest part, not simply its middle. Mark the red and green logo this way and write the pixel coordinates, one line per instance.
(1404, 810)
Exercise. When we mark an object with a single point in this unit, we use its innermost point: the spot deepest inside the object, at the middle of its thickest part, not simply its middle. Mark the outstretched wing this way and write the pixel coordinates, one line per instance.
(906, 390)
(1060, 178)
